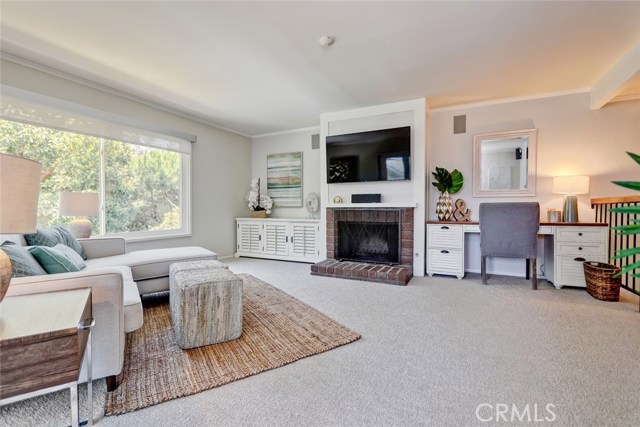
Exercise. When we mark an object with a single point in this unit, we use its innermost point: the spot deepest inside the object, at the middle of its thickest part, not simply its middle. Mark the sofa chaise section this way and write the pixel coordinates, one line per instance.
(150, 268)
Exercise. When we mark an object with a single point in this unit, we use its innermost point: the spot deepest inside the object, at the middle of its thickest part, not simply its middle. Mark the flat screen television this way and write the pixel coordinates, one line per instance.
(378, 155)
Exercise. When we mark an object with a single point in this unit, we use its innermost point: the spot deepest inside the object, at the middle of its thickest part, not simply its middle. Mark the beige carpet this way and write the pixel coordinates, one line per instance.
(277, 329)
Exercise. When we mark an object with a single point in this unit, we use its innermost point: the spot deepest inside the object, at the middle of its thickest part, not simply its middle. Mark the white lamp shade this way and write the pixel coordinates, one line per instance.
(571, 185)
(19, 192)
(75, 203)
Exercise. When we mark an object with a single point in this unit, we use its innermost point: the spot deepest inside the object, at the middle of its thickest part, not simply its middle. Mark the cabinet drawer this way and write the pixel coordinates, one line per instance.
(581, 234)
(569, 272)
(445, 261)
(472, 228)
(590, 251)
(445, 236)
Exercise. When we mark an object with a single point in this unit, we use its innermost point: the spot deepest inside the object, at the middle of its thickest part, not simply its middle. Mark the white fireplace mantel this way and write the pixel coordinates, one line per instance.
(371, 205)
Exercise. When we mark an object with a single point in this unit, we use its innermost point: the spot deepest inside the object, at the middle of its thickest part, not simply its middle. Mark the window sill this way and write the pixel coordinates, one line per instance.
(139, 238)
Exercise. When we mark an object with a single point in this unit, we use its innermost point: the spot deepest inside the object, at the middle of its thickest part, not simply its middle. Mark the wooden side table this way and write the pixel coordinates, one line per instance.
(43, 339)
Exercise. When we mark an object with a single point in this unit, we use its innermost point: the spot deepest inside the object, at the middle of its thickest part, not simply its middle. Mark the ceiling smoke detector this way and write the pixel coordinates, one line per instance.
(326, 41)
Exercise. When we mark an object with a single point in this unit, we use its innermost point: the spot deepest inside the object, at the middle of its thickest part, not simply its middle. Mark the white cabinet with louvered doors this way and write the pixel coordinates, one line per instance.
(284, 239)
(276, 238)
(249, 236)
(304, 240)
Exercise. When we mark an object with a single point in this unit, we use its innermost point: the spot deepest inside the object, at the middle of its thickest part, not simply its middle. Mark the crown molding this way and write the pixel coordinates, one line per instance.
(627, 97)
(510, 100)
(285, 132)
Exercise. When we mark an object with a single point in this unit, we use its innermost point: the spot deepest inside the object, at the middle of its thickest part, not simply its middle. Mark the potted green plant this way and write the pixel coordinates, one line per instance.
(447, 183)
(632, 228)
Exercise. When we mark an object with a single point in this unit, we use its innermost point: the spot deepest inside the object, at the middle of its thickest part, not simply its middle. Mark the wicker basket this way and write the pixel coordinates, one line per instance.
(602, 282)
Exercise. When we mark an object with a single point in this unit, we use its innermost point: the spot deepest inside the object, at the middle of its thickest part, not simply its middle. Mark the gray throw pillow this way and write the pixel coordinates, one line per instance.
(22, 262)
(44, 237)
(52, 260)
(72, 255)
(53, 236)
(69, 240)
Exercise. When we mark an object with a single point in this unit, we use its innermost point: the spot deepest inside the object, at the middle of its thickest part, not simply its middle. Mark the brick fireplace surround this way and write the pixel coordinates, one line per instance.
(396, 274)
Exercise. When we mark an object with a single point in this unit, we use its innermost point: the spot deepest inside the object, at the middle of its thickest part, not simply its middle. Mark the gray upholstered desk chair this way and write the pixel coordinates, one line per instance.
(509, 230)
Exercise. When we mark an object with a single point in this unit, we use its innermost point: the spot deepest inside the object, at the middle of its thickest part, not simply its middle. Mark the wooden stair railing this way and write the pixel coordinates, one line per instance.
(616, 241)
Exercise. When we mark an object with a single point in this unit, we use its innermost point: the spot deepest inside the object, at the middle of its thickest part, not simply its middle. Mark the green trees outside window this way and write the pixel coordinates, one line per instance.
(142, 185)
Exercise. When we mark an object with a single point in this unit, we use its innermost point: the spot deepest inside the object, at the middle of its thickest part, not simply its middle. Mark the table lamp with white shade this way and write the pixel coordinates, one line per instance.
(79, 204)
(570, 185)
(19, 192)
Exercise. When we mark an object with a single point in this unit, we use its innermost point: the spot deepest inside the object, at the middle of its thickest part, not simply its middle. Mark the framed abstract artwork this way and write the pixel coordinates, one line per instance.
(284, 179)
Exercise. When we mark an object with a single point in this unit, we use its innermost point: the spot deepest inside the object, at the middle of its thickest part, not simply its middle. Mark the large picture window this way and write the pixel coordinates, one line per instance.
(144, 190)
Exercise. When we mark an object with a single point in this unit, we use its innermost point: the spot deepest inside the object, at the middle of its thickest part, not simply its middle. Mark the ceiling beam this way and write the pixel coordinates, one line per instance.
(614, 80)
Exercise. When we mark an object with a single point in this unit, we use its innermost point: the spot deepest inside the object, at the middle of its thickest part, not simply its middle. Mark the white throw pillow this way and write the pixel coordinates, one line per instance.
(72, 255)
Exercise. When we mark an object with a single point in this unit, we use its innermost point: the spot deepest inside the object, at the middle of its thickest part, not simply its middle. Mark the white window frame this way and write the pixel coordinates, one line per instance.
(38, 110)
(139, 236)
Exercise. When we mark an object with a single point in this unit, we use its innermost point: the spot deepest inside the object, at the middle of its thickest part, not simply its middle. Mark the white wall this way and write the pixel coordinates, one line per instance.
(572, 140)
(287, 142)
(221, 161)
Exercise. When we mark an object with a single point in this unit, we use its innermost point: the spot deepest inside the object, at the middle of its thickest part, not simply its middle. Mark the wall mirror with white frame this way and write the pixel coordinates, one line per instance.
(504, 163)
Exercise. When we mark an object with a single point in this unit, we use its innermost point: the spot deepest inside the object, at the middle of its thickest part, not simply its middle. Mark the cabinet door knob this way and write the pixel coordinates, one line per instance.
(444, 227)
(579, 234)
(444, 251)
(579, 259)
(579, 248)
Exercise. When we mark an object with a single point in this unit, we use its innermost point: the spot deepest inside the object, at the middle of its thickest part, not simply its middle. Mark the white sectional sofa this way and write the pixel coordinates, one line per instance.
(117, 278)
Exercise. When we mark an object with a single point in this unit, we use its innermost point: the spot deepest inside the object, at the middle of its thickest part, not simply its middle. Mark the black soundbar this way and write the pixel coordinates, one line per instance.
(366, 198)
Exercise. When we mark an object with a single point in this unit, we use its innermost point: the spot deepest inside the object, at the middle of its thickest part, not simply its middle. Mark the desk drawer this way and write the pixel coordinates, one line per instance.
(472, 228)
(445, 261)
(590, 251)
(570, 272)
(581, 234)
(445, 236)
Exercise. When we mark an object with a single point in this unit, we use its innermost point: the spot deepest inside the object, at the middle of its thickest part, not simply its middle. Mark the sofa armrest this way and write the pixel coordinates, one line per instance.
(106, 285)
(101, 247)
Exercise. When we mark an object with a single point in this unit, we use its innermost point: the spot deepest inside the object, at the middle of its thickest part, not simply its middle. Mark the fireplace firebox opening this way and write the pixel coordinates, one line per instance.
(374, 242)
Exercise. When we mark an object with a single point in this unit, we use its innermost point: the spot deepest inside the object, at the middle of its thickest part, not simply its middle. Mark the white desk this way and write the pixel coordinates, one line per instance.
(566, 247)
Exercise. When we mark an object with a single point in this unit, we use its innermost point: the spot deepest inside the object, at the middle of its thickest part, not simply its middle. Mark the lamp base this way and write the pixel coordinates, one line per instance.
(80, 228)
(570, 210)
(5, 273)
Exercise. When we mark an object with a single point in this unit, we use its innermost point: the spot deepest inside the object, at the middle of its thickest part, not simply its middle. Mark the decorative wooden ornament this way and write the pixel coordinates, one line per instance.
(461, 213)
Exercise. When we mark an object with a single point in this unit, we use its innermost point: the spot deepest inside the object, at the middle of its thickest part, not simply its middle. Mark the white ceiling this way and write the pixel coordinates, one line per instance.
(256, 67)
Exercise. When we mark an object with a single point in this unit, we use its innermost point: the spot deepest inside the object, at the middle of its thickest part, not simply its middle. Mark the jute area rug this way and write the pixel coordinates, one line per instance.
(277, 329)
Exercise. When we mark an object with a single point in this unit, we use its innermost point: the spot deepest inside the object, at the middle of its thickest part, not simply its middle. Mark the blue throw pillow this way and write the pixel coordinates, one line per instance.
(52, 260)
(22, 262)
(72, 255)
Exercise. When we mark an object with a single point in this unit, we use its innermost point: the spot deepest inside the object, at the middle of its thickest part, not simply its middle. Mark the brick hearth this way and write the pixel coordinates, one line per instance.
(395, 275)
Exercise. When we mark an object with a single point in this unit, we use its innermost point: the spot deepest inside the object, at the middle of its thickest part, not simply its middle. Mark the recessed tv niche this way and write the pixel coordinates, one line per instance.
(378, 155)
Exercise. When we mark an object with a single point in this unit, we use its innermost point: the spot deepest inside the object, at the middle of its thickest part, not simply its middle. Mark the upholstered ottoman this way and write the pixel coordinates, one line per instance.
(206, 304)
(193, 265)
